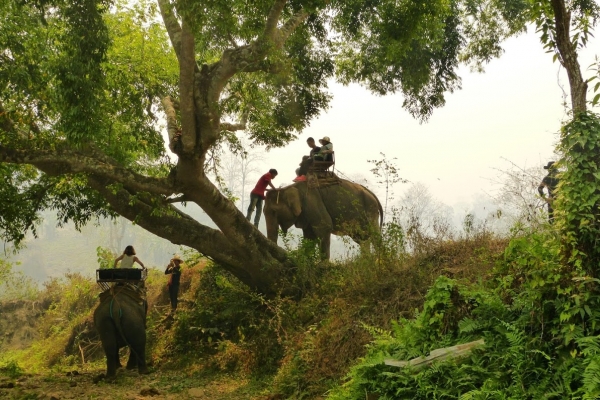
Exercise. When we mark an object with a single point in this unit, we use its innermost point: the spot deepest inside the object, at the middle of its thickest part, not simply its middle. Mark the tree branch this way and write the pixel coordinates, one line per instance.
(290, 26)
(187, 65)
(273, 18)
(173, 130)
(174, 225)
(226, 126)
(62, 161)
(172, 25)
(179, 199)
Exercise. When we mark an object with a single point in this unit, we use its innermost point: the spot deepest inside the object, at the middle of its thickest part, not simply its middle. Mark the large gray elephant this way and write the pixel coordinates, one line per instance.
(120, 319)
(342, 208)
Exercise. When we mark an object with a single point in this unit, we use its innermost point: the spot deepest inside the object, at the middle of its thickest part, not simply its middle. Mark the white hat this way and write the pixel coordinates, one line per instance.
(176, 257)
(325, 139)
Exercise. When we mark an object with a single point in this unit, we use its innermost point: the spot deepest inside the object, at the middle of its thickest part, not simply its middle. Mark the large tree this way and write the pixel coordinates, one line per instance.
(86, 84)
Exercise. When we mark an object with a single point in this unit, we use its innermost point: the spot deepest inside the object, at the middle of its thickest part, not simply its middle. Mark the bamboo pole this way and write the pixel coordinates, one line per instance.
(443, 354)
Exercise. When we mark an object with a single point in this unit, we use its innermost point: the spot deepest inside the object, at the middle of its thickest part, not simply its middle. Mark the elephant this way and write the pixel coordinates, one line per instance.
(120, 320)
(342, 208)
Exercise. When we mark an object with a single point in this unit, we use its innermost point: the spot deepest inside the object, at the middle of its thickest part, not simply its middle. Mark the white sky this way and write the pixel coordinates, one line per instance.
(511, 111)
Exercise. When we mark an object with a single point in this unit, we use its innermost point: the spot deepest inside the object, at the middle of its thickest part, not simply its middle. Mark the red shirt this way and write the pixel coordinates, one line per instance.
(262, 184)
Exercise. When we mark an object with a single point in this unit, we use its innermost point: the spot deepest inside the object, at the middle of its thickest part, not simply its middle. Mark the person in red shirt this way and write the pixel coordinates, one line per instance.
(258, 195)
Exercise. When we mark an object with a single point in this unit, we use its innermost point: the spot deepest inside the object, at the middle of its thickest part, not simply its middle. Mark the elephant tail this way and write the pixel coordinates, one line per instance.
(378, 205)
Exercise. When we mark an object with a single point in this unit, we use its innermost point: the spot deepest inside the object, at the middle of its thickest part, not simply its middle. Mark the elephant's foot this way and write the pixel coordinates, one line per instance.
(143, 370)
(98, 378)
(103, 377)
(130, 367)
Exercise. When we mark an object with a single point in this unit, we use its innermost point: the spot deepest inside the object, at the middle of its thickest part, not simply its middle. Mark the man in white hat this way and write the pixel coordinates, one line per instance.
(174, 269)
(326, 149)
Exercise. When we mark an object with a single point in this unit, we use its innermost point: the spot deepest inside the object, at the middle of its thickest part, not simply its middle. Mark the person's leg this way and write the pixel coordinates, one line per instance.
(259, 204)
(253, 199)
(174, 300)
(305, 165)
(550, 213)
(173, 296)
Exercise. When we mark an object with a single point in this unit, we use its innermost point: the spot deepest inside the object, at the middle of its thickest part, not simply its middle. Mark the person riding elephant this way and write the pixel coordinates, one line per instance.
(342, 209)
(120, 320)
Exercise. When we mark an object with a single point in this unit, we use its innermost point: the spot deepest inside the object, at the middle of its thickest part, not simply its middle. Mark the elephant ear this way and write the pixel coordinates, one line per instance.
(294, 202)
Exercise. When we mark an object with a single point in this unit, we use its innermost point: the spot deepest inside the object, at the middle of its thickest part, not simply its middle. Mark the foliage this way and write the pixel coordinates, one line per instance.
(388, 175)
(578, 201)
(538, 319)
(105, 257)
(584, 14)
(14, 285)
(229, 320)
(64, 325)
(11, 369)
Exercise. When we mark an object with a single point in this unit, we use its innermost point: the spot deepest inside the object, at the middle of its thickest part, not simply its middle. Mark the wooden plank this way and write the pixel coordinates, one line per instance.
(443, 354)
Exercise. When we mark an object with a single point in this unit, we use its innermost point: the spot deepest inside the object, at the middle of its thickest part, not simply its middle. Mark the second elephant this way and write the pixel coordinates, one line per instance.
(346, 208)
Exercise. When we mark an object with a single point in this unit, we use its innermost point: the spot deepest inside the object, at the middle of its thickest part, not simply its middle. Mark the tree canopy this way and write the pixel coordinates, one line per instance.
(89, 86)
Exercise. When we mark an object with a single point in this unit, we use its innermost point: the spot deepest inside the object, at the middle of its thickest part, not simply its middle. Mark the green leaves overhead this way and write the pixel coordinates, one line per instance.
(24, 192)
(84, 41)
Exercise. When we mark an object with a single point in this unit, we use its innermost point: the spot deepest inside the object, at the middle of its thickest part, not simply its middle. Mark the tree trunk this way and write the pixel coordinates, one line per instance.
(568, 56)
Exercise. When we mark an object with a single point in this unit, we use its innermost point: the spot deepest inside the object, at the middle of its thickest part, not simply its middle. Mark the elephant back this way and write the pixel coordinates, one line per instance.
(133, 292)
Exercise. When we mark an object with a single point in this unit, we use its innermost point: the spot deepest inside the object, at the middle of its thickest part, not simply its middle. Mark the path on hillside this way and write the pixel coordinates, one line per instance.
(129, 386)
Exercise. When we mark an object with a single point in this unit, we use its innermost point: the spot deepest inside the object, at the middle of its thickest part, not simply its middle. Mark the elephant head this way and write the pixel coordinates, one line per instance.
(283, 208)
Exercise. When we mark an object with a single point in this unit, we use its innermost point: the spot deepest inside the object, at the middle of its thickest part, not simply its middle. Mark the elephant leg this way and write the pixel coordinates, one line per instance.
(325, 246)
(111, 351)
(138, 350)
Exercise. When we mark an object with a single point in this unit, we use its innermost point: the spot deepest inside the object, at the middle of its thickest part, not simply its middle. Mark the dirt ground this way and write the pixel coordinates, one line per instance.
(128, 386)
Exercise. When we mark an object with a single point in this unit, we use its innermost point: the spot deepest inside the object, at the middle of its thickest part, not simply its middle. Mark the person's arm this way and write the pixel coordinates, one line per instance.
(326, 149)
(273, 187)
(169, 269)
(117, 260)
(541, 189)
(137, 260)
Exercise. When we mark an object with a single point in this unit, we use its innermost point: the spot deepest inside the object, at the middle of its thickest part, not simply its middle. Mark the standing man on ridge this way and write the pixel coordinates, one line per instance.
(550, 182)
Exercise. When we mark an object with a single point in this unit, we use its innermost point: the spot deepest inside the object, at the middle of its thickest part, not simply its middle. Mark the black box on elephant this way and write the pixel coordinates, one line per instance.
(120, 274)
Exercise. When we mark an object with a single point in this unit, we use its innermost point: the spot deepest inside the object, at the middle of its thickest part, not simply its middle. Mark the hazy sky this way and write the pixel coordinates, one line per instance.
(513, 111)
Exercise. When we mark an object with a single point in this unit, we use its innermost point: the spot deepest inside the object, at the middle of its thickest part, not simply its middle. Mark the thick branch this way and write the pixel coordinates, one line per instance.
(291, 25)
(172, 127)
(173, 225)
(172, 25)
(273, 18)
(187, 65)
(58, 162)
(226, 126)
(179, 199)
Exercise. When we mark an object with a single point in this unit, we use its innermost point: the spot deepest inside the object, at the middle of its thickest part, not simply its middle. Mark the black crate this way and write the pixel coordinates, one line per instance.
(120, 274)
